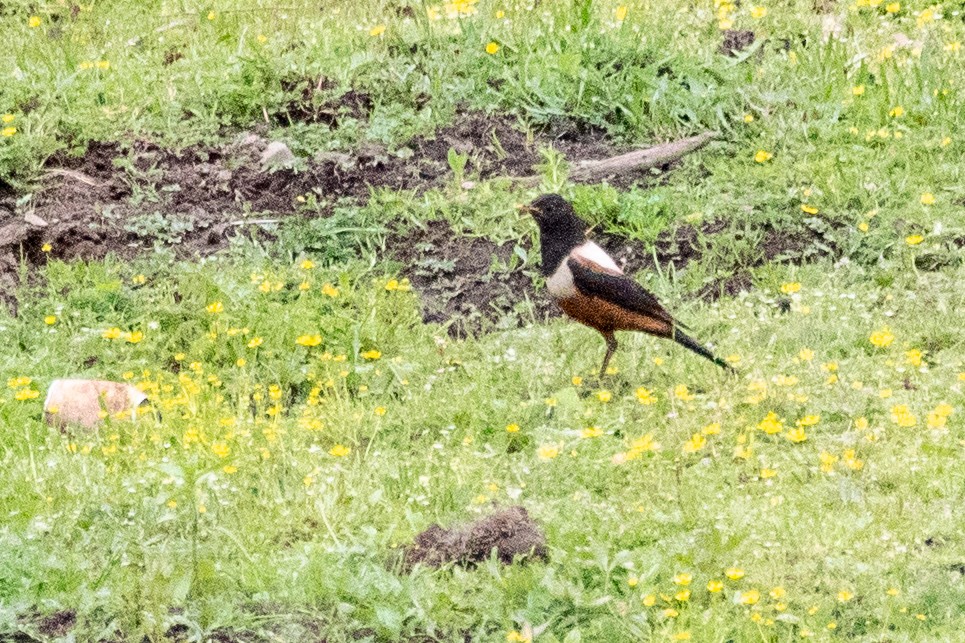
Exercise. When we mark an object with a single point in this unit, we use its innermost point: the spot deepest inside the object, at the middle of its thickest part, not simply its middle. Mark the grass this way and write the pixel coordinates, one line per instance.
(235, 497)
(270, 496)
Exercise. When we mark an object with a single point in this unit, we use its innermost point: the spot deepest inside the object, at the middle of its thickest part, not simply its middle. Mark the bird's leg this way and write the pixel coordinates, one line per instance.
(611, 348)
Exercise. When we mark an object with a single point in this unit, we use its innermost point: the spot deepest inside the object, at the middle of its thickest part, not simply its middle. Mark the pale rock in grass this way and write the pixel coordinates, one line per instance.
(277, 154)
(81, 402)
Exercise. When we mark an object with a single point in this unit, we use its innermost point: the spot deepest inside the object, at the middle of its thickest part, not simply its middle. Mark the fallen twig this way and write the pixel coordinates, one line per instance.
(636, 161)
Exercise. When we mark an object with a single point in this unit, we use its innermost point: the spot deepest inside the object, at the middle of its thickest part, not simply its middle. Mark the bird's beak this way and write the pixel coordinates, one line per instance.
(526, 209)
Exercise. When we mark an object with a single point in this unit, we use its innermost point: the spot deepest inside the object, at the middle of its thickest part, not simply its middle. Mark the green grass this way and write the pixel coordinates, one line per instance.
(229, 510)
(127, 521)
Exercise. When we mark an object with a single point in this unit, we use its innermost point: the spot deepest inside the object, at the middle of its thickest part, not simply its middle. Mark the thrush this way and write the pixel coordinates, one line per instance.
(590, 287)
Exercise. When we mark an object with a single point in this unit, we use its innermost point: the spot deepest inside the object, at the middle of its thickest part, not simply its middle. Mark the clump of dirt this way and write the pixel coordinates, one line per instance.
(57, 624)
(511, 532)
(456, 281)
(50, 626)
(314, 103)
(736, 41)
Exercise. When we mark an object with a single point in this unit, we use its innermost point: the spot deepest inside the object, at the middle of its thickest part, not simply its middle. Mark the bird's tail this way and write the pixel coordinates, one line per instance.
(689, 342)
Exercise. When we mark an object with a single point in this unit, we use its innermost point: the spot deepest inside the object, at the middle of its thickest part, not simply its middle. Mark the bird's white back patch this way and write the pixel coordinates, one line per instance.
(592, 252)
(560, 283)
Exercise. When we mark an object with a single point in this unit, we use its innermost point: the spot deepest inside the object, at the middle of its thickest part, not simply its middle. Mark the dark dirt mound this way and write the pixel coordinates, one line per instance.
(511, 532)
(49, 626)
(57, 624)
(455, 281)
(736, 41)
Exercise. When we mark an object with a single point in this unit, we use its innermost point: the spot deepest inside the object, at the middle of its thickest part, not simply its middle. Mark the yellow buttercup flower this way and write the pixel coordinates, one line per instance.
(591, 432)
(734, 573)
(763, 156)
(881, 338)
(492, 48)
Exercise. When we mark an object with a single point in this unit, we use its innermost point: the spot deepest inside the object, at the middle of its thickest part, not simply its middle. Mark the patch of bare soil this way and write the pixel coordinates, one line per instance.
(735, 41)
(49, 626)
(510, 532)
(456, 281)
(127, 198)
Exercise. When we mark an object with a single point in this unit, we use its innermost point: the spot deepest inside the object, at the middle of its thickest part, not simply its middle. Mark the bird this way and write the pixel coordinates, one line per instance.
(590, 287)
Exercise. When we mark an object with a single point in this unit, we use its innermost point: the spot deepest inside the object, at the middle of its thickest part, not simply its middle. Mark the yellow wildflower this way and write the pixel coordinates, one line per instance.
(644, 396)
(881, 338)
(339, 451)
(681, 392)
(695, 443)
(762, 156)
(734, 573)
(591, 432)
(492, 48)
(750, 597)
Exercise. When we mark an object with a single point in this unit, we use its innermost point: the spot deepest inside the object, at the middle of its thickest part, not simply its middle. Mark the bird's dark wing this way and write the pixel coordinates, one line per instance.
(593, 280)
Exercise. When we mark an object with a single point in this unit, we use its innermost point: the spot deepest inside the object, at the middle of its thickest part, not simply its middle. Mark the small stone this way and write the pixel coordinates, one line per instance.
(34, 220)
(277, 154)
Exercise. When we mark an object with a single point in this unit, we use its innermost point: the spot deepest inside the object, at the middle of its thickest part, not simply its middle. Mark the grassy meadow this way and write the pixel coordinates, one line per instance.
(307, 423)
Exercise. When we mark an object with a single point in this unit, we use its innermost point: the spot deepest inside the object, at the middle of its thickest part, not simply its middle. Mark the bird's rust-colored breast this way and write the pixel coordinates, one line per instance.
(606, 317)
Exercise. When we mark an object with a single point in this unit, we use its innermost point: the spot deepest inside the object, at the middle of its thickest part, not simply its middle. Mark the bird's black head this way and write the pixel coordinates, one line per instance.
(560, 230)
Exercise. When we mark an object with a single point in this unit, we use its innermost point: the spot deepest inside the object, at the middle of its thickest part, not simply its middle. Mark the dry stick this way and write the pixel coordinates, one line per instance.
(585, 171)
